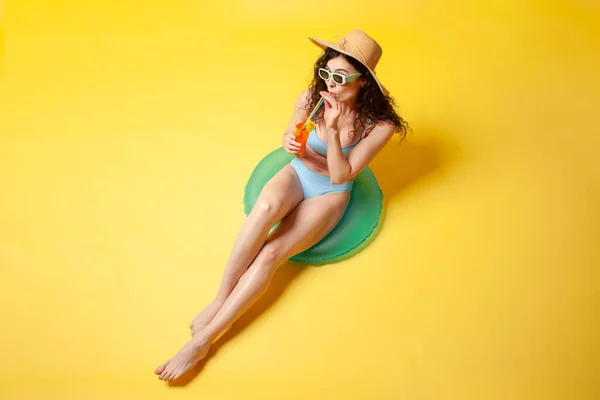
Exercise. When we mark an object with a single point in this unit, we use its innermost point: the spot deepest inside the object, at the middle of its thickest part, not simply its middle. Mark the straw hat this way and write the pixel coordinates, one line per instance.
(357, 44)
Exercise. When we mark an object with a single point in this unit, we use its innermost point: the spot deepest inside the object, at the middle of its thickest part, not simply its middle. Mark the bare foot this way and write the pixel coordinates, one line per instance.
(161, 367)
(205, 316)
(189, 355)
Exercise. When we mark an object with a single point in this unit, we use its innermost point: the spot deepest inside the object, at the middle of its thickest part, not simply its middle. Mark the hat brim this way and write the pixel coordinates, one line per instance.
(325, 44)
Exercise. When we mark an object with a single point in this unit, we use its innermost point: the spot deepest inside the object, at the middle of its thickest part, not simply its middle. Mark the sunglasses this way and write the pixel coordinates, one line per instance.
(339, 79)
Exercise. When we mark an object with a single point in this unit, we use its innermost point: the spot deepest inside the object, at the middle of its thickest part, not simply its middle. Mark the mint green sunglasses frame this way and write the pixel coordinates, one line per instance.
(332, 75)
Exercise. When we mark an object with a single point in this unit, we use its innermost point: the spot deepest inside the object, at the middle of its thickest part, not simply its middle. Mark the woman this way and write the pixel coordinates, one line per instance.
(309, 195)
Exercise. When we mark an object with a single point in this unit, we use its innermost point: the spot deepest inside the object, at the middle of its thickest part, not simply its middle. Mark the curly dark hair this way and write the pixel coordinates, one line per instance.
(372, 102)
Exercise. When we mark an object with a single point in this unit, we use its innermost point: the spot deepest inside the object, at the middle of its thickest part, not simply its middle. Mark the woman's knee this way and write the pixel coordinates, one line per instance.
(265, 208)
(268, 206)
(270, 256)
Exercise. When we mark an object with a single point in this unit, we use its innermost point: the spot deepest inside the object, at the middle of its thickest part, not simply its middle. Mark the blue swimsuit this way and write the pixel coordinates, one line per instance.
(313, 183)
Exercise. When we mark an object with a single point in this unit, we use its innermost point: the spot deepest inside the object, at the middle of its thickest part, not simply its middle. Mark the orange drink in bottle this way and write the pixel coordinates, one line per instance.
(301, 132)
(303, 129)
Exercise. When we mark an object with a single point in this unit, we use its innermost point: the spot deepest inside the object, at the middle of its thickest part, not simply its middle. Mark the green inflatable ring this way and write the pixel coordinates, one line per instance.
(355, 230)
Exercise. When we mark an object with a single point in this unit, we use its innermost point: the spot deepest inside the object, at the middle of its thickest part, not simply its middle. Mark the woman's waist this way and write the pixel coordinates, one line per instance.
(315, 166)
(319, 172)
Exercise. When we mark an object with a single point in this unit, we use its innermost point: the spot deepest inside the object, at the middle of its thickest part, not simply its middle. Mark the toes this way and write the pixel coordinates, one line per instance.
(164, 374)
(171, 375)
(178, 373)
(161, 368)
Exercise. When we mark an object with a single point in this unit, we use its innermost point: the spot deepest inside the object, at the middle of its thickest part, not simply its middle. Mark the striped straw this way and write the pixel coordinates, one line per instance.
(314, 111)
(309, 124)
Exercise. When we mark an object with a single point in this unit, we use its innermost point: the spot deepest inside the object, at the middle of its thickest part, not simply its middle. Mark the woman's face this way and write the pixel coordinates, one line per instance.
(349, 90)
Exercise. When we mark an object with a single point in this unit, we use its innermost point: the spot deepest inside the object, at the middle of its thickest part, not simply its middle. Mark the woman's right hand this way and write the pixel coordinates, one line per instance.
(290, 144)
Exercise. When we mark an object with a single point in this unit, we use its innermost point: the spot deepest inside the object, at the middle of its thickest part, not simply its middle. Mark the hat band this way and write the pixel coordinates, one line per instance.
(344, 43)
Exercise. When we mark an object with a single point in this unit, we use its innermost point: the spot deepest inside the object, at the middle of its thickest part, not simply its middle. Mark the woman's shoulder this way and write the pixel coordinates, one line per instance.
(383, 123)
(383, 127)
(386, 125)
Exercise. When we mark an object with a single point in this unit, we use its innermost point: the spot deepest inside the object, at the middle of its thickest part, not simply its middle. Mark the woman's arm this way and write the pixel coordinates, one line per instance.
(343, 168)
(300, 114)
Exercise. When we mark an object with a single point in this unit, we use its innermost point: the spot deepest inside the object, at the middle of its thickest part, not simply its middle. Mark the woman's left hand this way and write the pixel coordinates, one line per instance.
(333, 109)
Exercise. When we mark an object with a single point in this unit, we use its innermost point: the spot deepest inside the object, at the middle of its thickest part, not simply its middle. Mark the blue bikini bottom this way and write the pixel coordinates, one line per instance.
(315, 184)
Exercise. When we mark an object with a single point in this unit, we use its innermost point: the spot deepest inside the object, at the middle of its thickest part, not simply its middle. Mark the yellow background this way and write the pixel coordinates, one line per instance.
(129, 129)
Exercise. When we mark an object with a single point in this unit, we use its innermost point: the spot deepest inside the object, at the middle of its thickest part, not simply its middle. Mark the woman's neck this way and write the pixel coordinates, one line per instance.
(351, 106)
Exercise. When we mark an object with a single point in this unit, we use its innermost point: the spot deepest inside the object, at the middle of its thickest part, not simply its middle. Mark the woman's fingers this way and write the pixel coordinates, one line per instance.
(291, 145)
(333, 107)
(329, 97)
(329, 101)
(292, 150)
(292, 142)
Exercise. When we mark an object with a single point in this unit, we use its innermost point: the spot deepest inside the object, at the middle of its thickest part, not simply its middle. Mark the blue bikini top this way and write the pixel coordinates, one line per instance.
(319, 146)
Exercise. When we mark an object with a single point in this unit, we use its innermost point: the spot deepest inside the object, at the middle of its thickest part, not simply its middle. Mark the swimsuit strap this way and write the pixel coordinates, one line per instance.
(363, 131)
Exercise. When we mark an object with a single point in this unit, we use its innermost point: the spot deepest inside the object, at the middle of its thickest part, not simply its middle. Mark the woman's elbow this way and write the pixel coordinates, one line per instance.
(337, 180)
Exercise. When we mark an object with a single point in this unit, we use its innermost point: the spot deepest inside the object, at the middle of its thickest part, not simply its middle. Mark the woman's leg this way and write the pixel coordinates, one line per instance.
(311, 221)
(280, 195)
